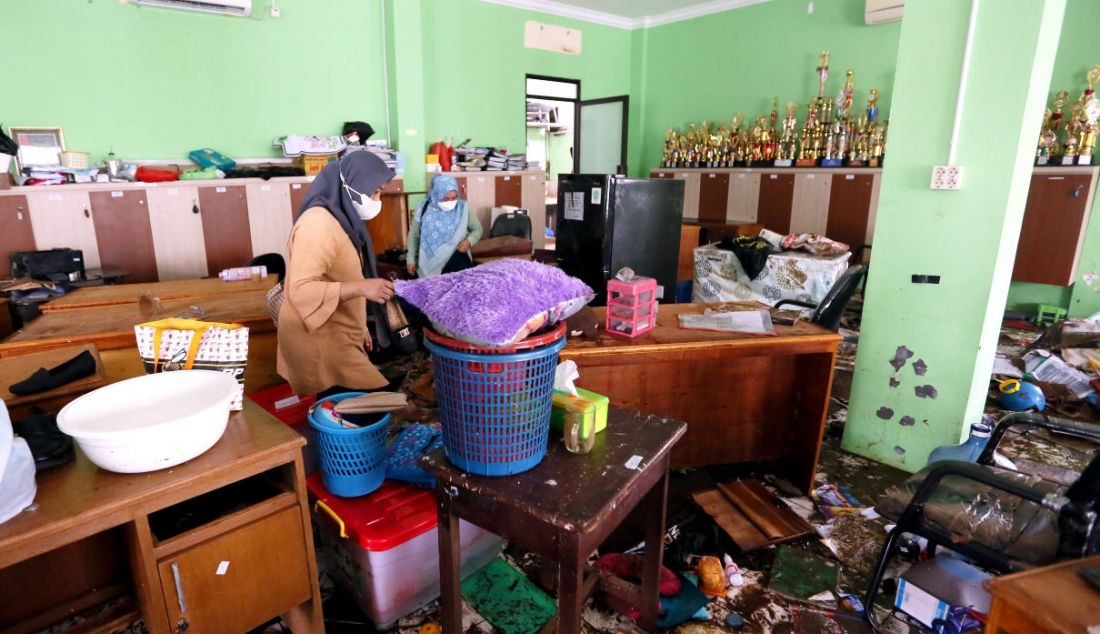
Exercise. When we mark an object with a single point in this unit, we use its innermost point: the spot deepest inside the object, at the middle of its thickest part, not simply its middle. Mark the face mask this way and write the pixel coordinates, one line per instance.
(368, 208)
(448, 205)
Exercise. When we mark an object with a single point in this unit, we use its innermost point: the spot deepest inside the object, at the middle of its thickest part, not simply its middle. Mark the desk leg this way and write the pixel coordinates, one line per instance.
(139, 541)
(571, 598)
(815, 385)
(450, 561)
(656, 508)
(307, 616)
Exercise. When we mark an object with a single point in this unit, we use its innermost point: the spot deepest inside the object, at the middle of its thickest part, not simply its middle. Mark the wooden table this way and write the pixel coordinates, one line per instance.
(1049, 599)
(111, 329)
(563, 509)
(88, 520)
(745, 398)
(116, 294)
(15, 369)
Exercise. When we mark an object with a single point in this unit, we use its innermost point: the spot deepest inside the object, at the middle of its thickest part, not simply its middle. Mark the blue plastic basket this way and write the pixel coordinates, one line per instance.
(495, 408)
(353, 461)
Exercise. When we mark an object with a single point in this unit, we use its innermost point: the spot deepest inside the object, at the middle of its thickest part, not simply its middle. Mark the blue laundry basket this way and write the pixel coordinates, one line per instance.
(353, 461)
(494, 405)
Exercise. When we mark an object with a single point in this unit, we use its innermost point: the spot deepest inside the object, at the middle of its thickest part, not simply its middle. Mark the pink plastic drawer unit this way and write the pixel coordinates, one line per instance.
(383, 548)
(631, 306)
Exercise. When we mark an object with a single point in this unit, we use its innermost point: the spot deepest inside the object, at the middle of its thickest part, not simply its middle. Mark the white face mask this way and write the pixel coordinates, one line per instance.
(368, 208)
(448, 205)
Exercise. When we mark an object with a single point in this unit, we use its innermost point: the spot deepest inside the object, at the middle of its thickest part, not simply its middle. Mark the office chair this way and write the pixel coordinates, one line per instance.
(827, 313)
(274, 262)
(514, 223)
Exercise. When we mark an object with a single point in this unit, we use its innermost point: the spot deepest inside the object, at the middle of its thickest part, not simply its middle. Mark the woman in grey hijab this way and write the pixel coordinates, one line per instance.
(331, 280)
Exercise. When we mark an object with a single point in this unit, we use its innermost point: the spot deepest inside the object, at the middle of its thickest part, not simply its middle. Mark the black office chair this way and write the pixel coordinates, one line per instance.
(274, 262)
(513, 223)
(827, 313)
(1002, 519)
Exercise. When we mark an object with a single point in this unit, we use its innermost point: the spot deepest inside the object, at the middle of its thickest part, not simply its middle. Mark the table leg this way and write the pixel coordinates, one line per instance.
(655, 504)
(450, 558)
(570, 584)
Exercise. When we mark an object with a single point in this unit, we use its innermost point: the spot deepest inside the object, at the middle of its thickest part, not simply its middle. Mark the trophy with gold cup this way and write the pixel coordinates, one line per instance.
(1090, 113)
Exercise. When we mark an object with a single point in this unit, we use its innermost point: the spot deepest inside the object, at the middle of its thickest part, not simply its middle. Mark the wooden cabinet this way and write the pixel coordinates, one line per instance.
(298, 193)
(776, 198)
(1054, 227)
(269, 228)
(390, 228)
(17, 233)
(713, 196)
(508, 191)
(63, 220)
(743, 198)
(850, 209)
(123, 233)
(810, 203)
(176, 224)
(225, 227)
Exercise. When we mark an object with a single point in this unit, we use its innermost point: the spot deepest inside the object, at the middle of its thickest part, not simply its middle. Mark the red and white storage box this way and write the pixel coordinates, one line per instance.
(631, 306)
(384, 547)
(293, 409)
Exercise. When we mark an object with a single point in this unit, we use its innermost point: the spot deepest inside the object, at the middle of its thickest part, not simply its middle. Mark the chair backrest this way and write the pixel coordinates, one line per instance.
(512, 223)
(828, 312)
(274, 262)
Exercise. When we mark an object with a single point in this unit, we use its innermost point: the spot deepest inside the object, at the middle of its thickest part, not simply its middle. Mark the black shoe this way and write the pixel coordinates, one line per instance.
(49, 446)
(78, 367)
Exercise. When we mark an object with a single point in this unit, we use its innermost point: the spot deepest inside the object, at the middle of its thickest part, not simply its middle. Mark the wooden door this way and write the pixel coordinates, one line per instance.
(810, 203)
(16, 231)
(1053, 230)
(744, 195)
(850, 209)
(298, 193)
(776, 200)
(225, 227)
(124, 233)
(177, 232)
(268, 220)
(691, 194)
(481, 197)
(239, 580)
(63, 220)
(509, 191)
(713, 196)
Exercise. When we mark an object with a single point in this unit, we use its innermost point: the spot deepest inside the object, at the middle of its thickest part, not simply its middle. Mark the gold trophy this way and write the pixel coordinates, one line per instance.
(669, 152)
(1090, 113)
(788, 140)
(1073, 135)
(858, 154)
(1048, 141)
(807, 156)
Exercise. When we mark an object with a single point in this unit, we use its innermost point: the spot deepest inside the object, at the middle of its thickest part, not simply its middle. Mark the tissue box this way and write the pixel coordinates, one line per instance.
(584, 404)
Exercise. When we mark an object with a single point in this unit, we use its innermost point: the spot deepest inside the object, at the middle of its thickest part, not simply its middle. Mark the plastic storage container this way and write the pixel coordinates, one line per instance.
(353, 460)
(384, 547)
(631, 306)
(585, 403)
(293, 410)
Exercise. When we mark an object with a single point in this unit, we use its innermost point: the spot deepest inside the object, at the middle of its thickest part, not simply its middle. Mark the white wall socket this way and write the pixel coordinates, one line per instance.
(947, 177)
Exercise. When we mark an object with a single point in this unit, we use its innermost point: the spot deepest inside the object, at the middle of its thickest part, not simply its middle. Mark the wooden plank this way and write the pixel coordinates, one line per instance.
(746, 535)
(115, 294)
(763, 510)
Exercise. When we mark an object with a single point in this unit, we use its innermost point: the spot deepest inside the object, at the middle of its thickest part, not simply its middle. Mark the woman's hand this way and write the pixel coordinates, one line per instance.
(464, 246)
(368, 342)
(375, 290)
(411, 268)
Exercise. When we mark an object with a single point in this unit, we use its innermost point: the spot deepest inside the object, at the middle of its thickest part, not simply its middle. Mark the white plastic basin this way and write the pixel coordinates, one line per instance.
(150, 422)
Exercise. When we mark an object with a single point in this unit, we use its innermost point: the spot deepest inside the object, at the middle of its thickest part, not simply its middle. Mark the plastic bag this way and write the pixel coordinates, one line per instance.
(17, 470)
(403, 454)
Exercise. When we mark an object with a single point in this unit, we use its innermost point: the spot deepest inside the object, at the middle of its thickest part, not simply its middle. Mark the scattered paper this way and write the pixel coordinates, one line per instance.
(1049, 368)
(753, 322)
(634, 461)
(1003, 366)
(1087, 359)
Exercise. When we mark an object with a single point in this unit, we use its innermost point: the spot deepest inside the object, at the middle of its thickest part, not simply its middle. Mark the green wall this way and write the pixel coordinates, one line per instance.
(156, 83)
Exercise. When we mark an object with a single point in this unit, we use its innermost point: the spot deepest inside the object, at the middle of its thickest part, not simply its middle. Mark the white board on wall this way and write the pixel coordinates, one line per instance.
(550, 37)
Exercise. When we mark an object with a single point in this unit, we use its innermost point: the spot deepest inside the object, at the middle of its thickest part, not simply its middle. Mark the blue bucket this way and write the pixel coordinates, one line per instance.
(353, 461)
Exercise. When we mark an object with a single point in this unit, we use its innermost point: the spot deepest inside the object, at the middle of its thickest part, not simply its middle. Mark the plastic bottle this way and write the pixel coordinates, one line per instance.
(242, 273)
(969, 450)
(733, 572)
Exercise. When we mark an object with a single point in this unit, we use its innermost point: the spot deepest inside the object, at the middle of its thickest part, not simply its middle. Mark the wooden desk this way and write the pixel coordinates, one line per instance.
(566, 521)
(268, 542)
(14, 369)
(115, 294)
(745, 398)
(111, 329)
(1048, 599)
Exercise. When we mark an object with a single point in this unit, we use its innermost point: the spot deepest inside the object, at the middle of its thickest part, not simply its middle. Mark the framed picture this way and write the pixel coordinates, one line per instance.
(38, 147)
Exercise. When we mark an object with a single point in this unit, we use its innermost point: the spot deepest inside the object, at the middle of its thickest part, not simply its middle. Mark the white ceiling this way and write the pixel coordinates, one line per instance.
(629, 14)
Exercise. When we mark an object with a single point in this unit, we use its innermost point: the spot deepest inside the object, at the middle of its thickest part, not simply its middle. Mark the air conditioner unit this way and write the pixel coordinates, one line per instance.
(883, 11)
(240, 8)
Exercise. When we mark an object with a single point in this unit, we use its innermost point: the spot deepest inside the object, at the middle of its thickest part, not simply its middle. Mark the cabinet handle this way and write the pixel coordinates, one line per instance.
(182, 625)
(195, 208)
(87, 214)
(1077, 191)
(179, 587)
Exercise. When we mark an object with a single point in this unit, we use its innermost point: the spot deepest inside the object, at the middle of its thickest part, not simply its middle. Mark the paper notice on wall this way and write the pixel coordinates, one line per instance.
(574, 205)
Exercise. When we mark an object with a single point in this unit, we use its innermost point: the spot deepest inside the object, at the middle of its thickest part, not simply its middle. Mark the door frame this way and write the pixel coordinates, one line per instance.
(625, 99)
(576, 112)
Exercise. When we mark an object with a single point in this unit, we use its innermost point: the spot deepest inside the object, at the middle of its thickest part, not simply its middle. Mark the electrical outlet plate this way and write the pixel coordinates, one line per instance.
(947, 177)
(275, 12)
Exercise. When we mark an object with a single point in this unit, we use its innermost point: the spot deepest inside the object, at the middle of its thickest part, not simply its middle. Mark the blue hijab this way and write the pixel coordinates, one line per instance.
(438, 227)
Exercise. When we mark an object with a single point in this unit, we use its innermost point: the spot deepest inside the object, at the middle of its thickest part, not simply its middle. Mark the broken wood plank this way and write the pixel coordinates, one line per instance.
(768, 514)
(737, 526)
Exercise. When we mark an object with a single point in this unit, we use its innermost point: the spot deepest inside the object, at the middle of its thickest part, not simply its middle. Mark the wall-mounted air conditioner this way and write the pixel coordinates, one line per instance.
(883, 11)
(238, 8)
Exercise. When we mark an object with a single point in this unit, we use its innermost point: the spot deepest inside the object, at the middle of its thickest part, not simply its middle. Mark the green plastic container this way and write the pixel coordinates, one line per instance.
(584, 404)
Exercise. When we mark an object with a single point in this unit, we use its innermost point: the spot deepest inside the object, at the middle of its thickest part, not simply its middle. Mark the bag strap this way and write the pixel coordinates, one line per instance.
(192, 349)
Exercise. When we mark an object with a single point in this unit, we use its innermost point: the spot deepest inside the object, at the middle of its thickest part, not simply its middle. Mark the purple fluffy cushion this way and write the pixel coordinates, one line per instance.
(498, 303)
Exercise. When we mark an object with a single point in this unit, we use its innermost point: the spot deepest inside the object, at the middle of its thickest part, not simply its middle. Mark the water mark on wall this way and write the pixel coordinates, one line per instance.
(885, 413)
(926, 391)
(920, 367)
(902, 355)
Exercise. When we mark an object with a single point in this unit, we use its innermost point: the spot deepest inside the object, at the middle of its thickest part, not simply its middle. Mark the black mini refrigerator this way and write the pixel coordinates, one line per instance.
(606, 222)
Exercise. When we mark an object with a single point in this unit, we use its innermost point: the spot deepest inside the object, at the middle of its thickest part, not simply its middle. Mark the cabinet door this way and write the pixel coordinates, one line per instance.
(1053, 229)
(509, 191)
(16, 231)
(744, 196)
(713, 195)
(225, 227)
(297, 195)
(63, 220)
(481, 197)
(238, 580)
(124, 234)
(177, 232)
(691, 194)
(534, 201)
(810, 203)
(850, 209)
(268, 219)
(776, 199)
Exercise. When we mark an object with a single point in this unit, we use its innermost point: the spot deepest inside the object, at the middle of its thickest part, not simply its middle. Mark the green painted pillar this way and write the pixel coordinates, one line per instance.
(926, 350)
(405, 71)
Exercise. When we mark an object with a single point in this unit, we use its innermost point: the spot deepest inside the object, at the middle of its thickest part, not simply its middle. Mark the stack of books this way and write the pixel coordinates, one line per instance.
(517, 162)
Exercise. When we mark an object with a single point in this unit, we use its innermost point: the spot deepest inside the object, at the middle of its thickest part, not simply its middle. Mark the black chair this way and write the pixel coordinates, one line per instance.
(827, 313)
(274, 262)
(513, 223)
(1002, 519)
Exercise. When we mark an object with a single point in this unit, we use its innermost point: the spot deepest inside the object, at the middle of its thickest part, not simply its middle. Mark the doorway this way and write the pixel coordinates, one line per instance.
(551, 120)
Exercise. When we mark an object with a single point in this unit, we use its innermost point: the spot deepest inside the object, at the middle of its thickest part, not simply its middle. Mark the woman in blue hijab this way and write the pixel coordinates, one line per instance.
(443, 231)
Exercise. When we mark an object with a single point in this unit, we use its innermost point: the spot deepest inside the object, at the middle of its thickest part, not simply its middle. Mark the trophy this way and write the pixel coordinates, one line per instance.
(671, 143)
(822, 74)
(1090, 112)
(858, 153)
(788, 140)
(877, 145)
(807, 154)
(1048, 141)
(1073, 135)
